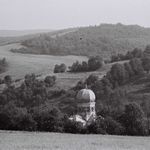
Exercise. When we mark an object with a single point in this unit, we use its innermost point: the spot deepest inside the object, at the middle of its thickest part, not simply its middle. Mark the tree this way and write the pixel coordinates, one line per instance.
(146, 64)
(136, 65)
(47, 118)
(137, 53)
(29, 79)
(95, 63)
(134, 120)
(128, 69)
(7, 79)
(92, 79)
(50, 80)
(60, 68)
(117, 74)
(74, 67)
(147, 49)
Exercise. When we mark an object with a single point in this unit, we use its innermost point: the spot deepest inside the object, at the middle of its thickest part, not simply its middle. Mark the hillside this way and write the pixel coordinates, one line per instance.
(10, 36)
(105, 40)
(13, 33)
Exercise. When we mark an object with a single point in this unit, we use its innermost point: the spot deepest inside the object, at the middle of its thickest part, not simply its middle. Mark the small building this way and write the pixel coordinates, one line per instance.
(85, 107)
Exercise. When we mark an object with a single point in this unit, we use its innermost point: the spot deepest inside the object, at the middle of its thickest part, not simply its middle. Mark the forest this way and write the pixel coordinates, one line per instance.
(104, 40)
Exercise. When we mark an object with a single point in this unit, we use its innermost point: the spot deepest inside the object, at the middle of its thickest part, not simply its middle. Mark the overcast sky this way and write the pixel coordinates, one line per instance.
(56, 14)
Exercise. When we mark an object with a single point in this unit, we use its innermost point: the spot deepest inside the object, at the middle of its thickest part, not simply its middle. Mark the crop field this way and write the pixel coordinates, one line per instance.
(10, 140)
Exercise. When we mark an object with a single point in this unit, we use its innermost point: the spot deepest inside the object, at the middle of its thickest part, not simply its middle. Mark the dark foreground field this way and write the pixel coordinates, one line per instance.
(56, 141)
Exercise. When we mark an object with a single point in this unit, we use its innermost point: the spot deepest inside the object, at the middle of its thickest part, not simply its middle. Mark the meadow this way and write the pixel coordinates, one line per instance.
(11, 140)
(21, 64)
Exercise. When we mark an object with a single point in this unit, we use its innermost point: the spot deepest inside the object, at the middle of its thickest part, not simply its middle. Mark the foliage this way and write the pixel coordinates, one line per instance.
(60, 68)
(93, 64)
(3, 65)
(136, 65)
(146, 64)
(134, 120)
(103, 40)
(136, 53)
(50, 80)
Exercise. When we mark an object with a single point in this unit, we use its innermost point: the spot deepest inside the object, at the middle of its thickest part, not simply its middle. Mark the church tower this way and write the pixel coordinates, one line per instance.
(86, 104)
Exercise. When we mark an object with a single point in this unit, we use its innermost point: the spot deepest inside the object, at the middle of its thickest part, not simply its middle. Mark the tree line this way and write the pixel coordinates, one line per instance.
(135, 53)
(94, 63)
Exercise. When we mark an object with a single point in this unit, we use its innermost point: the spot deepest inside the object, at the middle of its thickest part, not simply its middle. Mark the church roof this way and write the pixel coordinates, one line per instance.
(86, 95)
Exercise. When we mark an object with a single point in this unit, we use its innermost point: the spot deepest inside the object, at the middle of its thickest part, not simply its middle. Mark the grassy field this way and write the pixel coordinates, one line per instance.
(43, 65)
(56, 141)
(21, 64)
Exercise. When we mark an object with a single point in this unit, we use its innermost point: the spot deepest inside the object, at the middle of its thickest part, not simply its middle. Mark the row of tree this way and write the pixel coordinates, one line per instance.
(94, 63)
(131, 121)
(136, 53)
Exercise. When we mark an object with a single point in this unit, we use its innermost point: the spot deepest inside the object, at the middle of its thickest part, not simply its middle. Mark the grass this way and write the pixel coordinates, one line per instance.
(56, 141)
(21, 64)
(43, 65)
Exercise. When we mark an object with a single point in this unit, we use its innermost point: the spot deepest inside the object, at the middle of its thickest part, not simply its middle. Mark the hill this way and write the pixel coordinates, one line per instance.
(13, 33)
(104, 40)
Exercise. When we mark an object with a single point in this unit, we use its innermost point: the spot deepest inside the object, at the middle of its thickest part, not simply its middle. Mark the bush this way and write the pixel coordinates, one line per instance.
(72, 126)
(97, 127)
(60, 68)
(113, 127)
(50, 80)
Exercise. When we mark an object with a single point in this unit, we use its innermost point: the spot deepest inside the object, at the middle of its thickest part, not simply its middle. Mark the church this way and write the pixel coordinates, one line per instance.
(86, 112)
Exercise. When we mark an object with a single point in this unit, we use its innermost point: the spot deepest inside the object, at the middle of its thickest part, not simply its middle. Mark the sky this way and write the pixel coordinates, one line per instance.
(59, 14)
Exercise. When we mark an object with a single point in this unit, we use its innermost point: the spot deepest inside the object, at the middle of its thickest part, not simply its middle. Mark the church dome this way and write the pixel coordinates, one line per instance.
(86, 95)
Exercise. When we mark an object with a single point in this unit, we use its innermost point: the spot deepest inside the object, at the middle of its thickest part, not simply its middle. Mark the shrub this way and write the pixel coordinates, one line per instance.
(72, 126)
(60, 68)
(97, 127)
(113, 127)
(50, 80)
